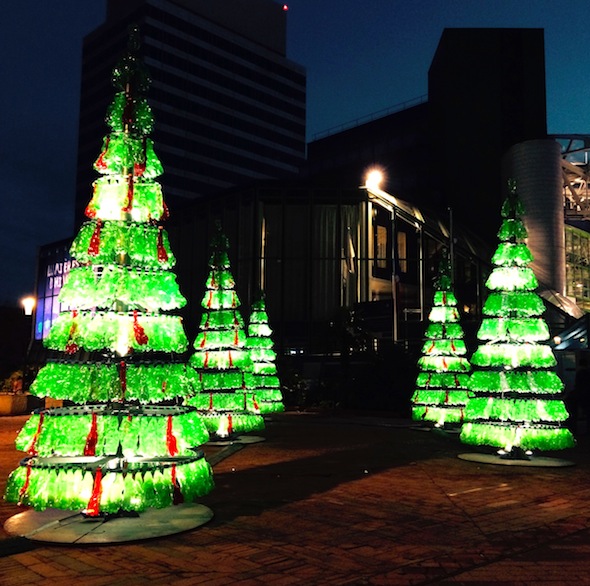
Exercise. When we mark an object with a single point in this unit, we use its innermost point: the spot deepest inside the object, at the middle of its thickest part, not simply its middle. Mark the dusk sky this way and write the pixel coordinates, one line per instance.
(362, 57)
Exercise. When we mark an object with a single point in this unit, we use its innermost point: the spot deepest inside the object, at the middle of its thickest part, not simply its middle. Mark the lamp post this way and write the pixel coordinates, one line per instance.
(28, 304)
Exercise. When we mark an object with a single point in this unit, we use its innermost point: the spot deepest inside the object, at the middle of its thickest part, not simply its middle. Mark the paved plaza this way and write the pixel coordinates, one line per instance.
(343, 499)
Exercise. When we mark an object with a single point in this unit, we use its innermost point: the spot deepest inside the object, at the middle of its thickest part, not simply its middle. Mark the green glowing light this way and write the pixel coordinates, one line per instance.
(515, 395)
(441, 386)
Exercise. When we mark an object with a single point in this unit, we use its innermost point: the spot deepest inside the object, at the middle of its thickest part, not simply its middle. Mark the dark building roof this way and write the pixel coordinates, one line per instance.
(486, 92)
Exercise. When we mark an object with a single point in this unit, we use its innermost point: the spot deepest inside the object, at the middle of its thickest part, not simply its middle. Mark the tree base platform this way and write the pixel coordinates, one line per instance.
(59, 526)
(533, 461)
(240, 439)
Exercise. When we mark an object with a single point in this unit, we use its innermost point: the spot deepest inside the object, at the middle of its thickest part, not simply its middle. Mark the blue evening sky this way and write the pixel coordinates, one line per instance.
(361, 56)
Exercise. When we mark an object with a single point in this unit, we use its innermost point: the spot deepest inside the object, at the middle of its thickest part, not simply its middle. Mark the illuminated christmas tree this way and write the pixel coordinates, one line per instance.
(515, 402)
(441, 386)
(115, 354)
(261, 379)
(220, 357)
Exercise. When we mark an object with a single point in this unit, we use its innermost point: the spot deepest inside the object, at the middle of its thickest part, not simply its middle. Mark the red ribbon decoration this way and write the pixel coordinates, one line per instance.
(25, 487)
(90, 211)
(210, 401)
(177, 497)
(101, 164)
(33, 447)
(230, 426)
(139, 168)
(92, 439)
(171, 439)
(430, 349)
(93, 508)
(165, 211)
(256, 407)
(206, 363)
(231, 362)
(236, 338)
(94, 246)
(204, 340)
(138, 331)
(71, 346)
(129, 204)
(444, 363)
(162, 254)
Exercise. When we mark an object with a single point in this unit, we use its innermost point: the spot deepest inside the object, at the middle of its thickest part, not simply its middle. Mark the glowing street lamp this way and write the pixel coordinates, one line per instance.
(373, 179)
(28, 304)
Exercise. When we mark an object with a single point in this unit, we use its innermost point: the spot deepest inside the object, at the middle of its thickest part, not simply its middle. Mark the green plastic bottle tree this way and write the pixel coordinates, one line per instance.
(220, 357)
(441, 387)
(515, 403)
(261, 378)
(115, 356)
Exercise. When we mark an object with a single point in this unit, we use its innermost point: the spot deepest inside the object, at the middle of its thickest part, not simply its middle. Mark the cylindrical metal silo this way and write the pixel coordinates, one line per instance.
(536, 167)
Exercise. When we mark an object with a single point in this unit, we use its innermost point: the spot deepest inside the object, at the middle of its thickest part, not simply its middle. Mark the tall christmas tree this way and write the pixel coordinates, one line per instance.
(220, 356)
(116, 356)
(441, 386)
(261, 379)
(515, 402)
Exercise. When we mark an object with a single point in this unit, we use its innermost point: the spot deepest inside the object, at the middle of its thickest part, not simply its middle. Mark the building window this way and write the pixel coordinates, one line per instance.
(381, 251)
(381, 243)
(402, 251)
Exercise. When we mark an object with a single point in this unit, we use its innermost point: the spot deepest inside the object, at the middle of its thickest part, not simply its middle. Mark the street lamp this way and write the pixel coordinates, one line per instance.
(373, 179)
(28, 304)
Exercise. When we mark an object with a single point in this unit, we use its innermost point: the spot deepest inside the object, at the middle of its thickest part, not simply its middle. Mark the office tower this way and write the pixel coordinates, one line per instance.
(229, 107)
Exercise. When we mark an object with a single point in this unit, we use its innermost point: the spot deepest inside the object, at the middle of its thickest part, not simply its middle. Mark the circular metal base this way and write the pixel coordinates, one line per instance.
(250, 439)
(420, 428)
(59, 526)
(534, 462)
(240, 439)
(451, 430)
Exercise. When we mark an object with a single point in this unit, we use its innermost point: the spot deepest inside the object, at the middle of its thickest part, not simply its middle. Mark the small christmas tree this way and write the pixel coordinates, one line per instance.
(261, 379)
(441, 386)
(220, 356)
(115, 354)
(515, 402)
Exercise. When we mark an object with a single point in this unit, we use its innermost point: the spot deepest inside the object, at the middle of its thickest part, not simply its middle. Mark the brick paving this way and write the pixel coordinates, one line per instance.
(330, 499)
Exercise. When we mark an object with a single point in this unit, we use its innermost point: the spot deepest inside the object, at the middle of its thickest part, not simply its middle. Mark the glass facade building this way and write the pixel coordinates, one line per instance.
(577, 259)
